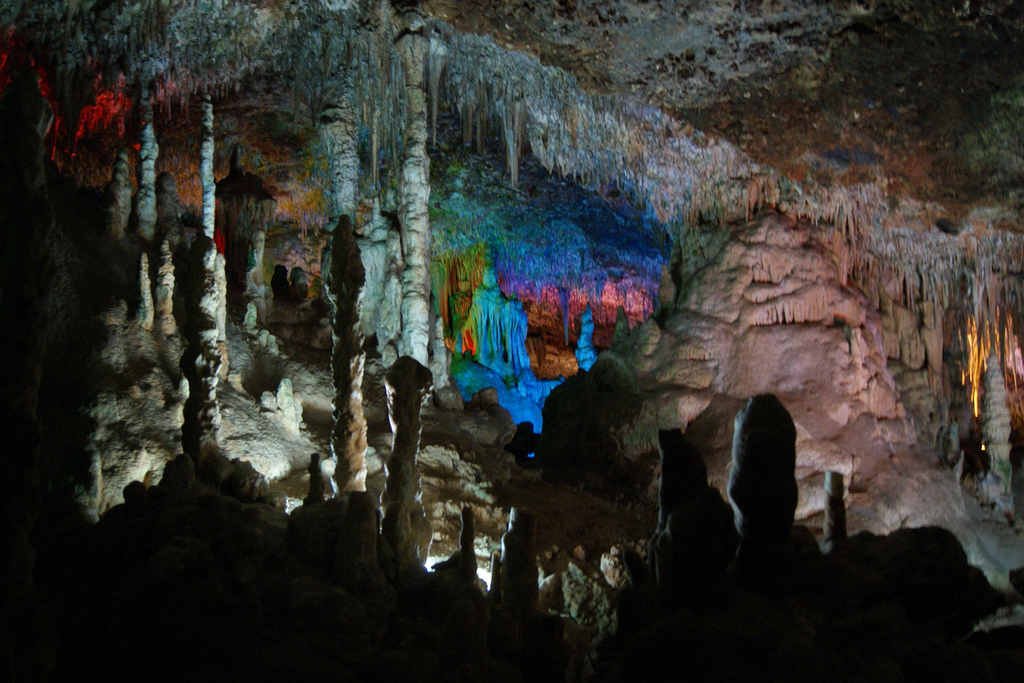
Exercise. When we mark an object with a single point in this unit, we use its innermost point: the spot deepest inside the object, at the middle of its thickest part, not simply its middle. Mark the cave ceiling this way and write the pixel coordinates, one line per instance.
(902, 94)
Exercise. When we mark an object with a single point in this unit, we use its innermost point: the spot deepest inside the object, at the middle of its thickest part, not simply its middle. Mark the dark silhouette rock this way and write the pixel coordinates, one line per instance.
(762, 485)
(279, 282)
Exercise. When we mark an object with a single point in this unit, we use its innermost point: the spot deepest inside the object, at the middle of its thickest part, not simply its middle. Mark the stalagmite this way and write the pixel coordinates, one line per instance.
(348, 440)
(834, 529)
(202, 360)
(519, 564)
(405, 527)
(26, 224)
(389, 322)
(317, 484)
(254, 286)
(586, 354)
(245, 209)
(338, 126)
(221, 290)
(144, 313)
(762, 487)
(446, 395)
(494, 590)
(168, 211)
(164, 305)
(995, 433)
(117, 198)
(145, 199)
(415, 192)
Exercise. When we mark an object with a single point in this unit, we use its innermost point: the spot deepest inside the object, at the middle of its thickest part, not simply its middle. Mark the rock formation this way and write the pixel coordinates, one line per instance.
(446, 394)
(586, 354)
(245, 209)
(202, 360)
(762, 485)
(389, 321)
(164, 301)
(995, 434)
(373, 251)
(695, 539)
(317, 483)
(519, 564)
(348, 439)
(338, 126)
(145, 310)
(117, 197)
(168, 227)
(206, 179)
(405, 528)
(834, 527)
(145, 198)
(414, 191)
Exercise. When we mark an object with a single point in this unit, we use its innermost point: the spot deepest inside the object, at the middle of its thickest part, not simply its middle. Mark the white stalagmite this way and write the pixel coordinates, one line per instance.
(995, 428)
(206, 169)
(165, 290)
(145, 200)
(117, 199)
(144, 313)
(221, 292)
(338, 127)
(203, 357)
(414, 193)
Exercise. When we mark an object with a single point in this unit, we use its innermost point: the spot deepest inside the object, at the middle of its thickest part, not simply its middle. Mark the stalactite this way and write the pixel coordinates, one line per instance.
(348, 438)
(415, 192)
(25, 274)
(145, 199)
(337, 126)
(206, 178)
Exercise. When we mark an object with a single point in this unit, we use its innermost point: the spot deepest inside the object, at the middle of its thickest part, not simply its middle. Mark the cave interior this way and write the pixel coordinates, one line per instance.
(604, 340)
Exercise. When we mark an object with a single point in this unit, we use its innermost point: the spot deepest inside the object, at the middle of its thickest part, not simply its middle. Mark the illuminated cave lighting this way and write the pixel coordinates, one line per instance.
(484, 574)
(109, 111)
(979, 344)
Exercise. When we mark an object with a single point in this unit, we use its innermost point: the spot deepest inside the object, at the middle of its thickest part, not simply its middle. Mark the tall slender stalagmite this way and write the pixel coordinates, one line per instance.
(26, 223)
(405, 527)
(144, 313)
(348, 441)
(415, 191)
(117, 197)
(201, 362)
(145, 200)
(200, 434)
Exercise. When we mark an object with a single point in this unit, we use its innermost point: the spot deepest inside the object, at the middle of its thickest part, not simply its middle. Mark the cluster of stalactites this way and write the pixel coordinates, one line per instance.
(973, 278)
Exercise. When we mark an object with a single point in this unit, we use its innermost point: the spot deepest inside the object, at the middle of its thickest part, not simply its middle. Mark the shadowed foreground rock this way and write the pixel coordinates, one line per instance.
(876, 608)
